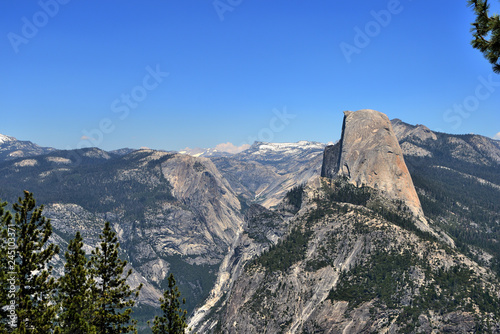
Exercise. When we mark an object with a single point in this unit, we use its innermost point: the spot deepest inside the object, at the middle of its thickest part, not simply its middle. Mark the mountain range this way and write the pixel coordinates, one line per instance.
(273, 238)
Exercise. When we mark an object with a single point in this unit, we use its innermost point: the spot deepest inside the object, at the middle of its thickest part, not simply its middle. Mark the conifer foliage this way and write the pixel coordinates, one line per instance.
(486, 32)
(7, 257)
(75, 291)
(173, 320)
(113, 298)
(91, 297)
(36, 309)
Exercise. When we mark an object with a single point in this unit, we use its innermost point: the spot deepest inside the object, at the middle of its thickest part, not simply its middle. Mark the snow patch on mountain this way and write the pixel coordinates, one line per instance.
(285, 148)
(4, 138)
(204, 152)
(258, 148)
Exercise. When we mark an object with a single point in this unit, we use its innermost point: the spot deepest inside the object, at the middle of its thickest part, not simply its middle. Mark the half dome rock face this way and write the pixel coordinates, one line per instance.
(370, 155)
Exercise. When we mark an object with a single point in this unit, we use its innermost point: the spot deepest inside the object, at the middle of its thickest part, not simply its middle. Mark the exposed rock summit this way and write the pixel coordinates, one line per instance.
(369, 154)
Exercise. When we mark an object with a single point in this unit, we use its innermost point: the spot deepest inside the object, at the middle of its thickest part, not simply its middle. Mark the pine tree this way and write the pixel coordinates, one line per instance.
(486, 32)
(173, 320)
(7, 267)
(75, 291)
(36, 308)
(111, 293)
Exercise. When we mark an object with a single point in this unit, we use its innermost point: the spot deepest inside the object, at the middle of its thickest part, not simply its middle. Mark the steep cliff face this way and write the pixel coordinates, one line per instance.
(370, 155)
(197, 183)
(331, 157)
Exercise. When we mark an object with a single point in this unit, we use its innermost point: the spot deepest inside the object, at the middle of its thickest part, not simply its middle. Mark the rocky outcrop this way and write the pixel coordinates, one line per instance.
(197, 183)
(331, 156)
(370, 155)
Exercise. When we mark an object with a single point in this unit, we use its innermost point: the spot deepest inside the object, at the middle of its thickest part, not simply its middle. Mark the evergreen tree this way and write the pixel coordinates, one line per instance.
(36, 308)
(111, 293)
(7, 258)
(486, 32)
(75, 291)
(173, 320)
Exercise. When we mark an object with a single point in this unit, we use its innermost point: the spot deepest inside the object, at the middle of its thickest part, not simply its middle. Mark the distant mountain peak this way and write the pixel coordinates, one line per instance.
(404, 130)
(11, 148)
(4, 138)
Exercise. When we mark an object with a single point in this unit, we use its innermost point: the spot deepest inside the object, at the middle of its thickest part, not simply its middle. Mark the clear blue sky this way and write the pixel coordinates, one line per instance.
(238, 70)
